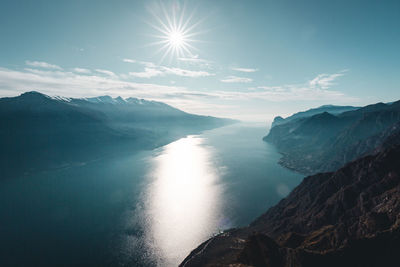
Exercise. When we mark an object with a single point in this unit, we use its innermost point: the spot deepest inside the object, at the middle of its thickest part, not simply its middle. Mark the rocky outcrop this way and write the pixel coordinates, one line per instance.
(350, 217)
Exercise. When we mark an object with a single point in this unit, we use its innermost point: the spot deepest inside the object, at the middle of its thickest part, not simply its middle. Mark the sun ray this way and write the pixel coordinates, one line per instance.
(193, 26)
(159, 29)
(167, 17)
(181, 17)
(165, 54)
(189, 19)
(174, 17)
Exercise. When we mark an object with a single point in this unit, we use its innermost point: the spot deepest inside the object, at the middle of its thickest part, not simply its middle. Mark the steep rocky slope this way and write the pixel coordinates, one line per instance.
(350, 217)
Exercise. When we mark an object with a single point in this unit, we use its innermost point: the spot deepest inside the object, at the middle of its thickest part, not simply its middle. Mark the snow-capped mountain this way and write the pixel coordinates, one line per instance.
(37, 129)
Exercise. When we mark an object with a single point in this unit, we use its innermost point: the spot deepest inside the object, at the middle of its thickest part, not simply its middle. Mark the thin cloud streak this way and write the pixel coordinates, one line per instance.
(235, 79)
(106, 72)
(194, 59)
(147, 73)
(197, 61)
(41, 64)
(325, 81)
(245, 69)
(81, 70)
(128, 60)
(134, 61)
(72, 84)
(152, 70)
(187, 73)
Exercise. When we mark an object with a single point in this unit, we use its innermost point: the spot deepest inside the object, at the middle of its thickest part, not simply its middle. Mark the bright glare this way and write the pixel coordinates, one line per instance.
(175, 31)
(185, 195)
(176, 38)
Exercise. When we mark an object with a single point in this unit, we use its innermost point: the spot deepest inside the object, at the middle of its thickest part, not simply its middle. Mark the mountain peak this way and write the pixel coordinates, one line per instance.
(323, 115)
(327, 106)
(101, 99)
(32, 93)
(33, 97)
(119, 99)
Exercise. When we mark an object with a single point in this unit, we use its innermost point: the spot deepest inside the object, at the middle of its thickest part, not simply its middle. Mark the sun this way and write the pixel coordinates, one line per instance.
(175, 31)
(176, 39)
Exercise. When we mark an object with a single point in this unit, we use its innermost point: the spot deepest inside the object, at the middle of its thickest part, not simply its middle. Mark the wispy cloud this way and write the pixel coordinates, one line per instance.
(145, 63)
(325, 81)
(245, 69)
(41, 64)
(196, 60)
(147, 73)
(72, 84)
(106, 72)
(128, 60)
(162, 71)
(271, 88)
(279, 94)
(187, 73)
(81, 70)
(316, 89)
(235, 79)
(75, 84)
(153, 70)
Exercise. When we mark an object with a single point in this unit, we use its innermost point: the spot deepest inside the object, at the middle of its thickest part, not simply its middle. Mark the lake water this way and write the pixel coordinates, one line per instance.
(145, 209)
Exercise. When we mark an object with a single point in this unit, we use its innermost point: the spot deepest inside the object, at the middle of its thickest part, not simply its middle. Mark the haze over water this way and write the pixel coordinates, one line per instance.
(147, 208)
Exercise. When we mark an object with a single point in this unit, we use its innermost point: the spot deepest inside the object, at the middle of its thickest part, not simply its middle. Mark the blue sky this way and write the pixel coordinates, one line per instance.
(251, 60)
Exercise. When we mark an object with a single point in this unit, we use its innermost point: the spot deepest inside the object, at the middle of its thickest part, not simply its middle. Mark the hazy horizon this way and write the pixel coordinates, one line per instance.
(227, 59)
(254, 122)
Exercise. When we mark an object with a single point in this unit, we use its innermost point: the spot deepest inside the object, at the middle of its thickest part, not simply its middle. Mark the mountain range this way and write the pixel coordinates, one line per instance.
(332, 109)
(327, 140)
(38, 131)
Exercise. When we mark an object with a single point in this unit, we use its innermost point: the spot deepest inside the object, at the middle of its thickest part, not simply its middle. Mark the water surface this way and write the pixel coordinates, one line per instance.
(148, 208)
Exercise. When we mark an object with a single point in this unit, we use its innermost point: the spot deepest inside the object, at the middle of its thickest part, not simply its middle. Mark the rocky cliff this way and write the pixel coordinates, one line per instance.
(350, 217)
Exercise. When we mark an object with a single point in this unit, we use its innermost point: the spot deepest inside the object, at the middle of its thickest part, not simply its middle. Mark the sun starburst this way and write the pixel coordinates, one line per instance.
(175, 32)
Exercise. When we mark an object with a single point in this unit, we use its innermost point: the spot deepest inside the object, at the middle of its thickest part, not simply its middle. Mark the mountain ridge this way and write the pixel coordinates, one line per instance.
(324, 142)
(37, 130)
(332, 109)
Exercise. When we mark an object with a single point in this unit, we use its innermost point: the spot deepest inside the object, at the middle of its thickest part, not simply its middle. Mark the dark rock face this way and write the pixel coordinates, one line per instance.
(324, 142)
(350, 217)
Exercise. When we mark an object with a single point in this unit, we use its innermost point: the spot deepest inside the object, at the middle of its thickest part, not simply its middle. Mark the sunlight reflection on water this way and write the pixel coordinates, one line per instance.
(183, 203)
